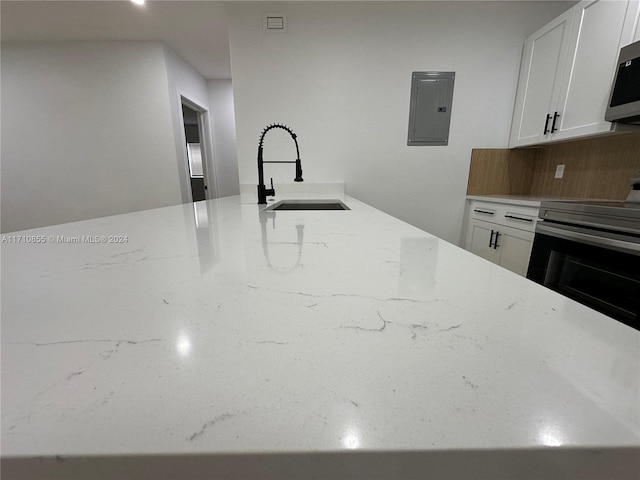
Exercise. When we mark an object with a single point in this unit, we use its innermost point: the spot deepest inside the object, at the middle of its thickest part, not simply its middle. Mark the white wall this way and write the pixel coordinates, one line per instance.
(223, 132)
(184, 80)
(341, 79)
(86, 132)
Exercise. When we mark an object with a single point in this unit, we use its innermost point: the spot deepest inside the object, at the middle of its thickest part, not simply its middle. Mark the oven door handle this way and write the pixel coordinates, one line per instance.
(595, 240)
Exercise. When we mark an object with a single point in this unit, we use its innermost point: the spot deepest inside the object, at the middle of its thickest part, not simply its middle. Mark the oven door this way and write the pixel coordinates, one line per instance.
(600, 270)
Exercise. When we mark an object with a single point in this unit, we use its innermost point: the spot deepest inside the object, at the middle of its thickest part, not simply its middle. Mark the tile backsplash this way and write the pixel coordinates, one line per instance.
(593, 168)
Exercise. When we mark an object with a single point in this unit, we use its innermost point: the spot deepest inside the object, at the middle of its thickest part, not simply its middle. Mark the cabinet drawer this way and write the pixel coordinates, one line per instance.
(519, 217)
(514, 216)
(488, 212)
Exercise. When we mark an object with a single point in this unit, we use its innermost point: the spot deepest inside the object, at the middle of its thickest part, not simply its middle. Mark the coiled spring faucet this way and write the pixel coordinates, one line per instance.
(263, 191)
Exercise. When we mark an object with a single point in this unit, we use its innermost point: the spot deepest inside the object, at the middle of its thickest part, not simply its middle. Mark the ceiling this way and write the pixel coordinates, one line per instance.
(196, 30)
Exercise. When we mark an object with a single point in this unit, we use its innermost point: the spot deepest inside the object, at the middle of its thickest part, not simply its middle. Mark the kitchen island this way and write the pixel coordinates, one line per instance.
(222, 340)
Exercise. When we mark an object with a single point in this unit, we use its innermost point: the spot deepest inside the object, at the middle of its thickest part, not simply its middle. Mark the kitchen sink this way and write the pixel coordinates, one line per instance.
(323, 204)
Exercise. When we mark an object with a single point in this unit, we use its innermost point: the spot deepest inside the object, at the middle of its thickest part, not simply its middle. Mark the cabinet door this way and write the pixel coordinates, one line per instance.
(514, 249)
(479, 234)
(631, 30)
(543, 61)
(594, 46)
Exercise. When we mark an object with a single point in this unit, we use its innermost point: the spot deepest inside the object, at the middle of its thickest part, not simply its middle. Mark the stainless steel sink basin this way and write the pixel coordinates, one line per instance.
(323, 204)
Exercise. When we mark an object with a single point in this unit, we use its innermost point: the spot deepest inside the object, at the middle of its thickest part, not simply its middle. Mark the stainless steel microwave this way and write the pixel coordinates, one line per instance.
(624, 100)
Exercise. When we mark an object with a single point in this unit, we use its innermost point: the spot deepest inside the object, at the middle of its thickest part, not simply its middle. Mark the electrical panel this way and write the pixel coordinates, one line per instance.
(430, 108)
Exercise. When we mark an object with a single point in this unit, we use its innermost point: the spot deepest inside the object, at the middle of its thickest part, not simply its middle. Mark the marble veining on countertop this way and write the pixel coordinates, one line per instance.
(220, 328)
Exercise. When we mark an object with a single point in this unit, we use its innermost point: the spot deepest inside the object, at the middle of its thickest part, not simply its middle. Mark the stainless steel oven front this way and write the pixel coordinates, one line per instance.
(590, 252)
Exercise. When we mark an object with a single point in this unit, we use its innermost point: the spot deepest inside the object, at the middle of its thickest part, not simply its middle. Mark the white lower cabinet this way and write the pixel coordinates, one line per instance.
(502, 234)
(479, 237)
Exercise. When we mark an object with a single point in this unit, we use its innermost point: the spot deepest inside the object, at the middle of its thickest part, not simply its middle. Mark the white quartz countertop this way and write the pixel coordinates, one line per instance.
(522, 200)
(224, 339)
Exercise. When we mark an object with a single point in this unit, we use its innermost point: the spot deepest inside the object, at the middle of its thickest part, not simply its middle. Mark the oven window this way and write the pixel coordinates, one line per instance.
(603, 279)
(593, 283)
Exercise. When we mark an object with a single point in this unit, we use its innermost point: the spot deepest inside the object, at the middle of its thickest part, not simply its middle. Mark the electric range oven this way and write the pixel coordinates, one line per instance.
(590, 252)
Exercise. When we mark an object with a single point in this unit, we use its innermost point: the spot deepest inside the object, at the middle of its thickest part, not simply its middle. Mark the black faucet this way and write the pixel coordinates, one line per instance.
(263, 191)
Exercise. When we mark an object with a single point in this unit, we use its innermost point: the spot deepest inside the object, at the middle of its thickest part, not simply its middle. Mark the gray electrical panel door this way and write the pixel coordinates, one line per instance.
(430, 109)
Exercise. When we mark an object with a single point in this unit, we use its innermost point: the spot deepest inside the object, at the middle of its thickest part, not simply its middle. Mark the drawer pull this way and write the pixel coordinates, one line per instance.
(483, 211)
(519, 218)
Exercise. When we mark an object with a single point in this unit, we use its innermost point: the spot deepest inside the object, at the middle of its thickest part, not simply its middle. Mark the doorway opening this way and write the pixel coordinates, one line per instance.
(195, 152)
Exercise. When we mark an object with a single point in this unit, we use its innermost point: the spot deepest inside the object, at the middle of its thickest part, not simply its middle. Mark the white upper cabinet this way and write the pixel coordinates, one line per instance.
(566, 72)
(543, 60)
(596, 39)
(632, 29)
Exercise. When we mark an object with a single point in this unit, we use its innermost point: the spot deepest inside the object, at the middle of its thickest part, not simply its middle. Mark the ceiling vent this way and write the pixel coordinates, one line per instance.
(274, 23)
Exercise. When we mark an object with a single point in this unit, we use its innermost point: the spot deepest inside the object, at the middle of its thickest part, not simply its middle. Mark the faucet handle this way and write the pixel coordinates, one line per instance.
(270, 191)
(298, 171)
